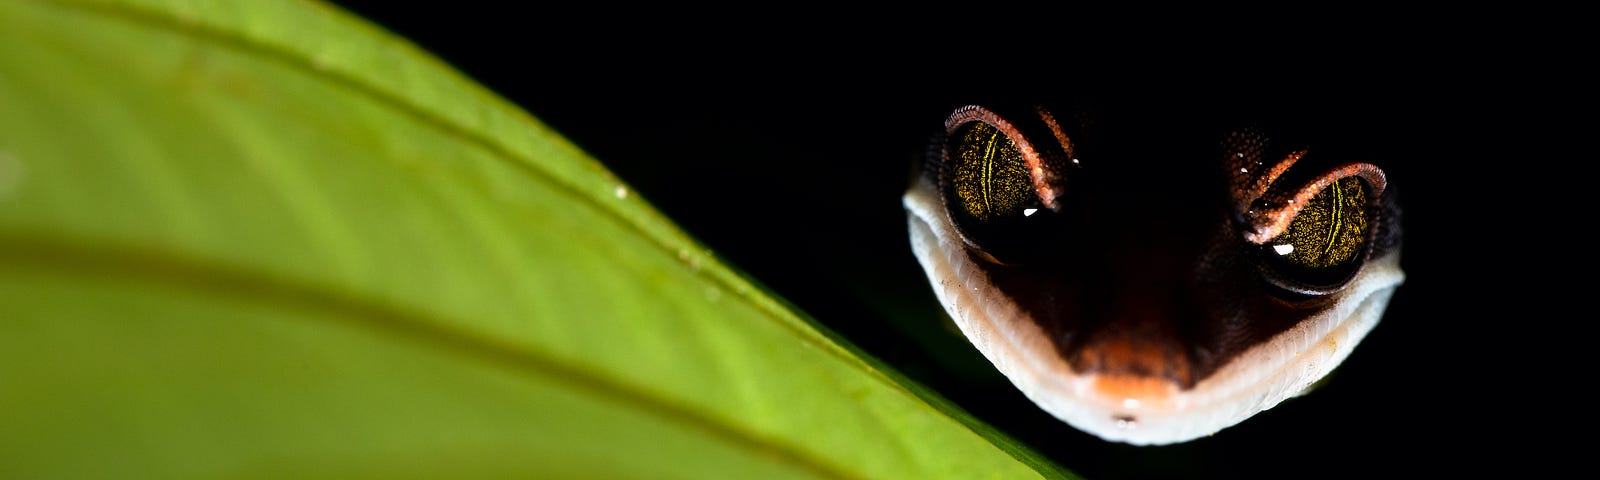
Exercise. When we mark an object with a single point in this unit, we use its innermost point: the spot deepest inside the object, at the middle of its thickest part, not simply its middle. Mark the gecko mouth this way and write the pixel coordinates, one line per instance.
(1142, 409)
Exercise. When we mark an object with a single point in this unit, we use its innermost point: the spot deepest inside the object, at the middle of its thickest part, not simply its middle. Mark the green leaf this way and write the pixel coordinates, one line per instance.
(267, 239)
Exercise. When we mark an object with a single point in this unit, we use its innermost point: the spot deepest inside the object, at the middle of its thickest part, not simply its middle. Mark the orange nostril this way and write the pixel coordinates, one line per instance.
(1134, 392)
(1133, 356)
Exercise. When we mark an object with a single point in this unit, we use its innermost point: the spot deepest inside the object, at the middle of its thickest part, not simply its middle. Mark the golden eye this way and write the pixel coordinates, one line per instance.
(1327, 239)
(990, 176)
(997, 178)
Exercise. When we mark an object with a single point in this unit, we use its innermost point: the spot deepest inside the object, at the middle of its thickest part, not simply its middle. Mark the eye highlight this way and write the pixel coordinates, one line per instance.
(990, 178)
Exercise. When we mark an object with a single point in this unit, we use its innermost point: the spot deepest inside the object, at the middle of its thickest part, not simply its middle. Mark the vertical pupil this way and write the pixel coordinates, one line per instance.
(1330, 230)
(991, 177)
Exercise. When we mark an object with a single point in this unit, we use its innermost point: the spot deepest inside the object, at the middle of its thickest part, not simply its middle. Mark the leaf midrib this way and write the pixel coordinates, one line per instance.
(146, 266)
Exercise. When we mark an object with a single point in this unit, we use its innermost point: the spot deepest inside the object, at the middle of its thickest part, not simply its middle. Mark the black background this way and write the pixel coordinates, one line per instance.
(783, 142)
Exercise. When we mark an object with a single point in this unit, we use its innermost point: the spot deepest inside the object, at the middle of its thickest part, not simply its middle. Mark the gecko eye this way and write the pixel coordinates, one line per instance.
(1327, 241)
(989, 179)
(996, 185)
